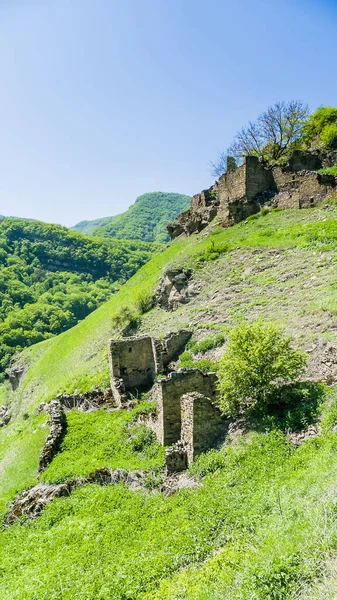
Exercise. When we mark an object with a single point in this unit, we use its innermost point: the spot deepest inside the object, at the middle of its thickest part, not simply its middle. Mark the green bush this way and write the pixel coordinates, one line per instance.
(141, 437)
(145, 302)
(258, 359)
(320, 122)
(329, 136)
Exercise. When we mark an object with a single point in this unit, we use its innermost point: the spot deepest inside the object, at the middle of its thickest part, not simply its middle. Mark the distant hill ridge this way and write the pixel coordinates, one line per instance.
(145, 220)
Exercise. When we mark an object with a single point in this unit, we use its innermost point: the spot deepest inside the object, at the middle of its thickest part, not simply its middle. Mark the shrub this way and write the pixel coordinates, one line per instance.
(141, 437)
(214, 250)
(145, 302)
(258, 359)
(125, 317)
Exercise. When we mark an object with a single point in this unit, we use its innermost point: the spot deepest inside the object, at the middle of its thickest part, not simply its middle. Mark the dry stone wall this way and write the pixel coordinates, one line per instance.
(167, 393)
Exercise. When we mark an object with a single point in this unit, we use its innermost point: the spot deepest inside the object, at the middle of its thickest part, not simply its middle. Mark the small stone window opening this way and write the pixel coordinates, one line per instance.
(130, 349)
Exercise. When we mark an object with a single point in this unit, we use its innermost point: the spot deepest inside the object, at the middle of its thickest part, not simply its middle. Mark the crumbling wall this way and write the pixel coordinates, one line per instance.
(302, 189)
(176, 458)
(57, 431)
(167, 393)
(241, 192)
(132, 365)
(136, 361)
(201, 424)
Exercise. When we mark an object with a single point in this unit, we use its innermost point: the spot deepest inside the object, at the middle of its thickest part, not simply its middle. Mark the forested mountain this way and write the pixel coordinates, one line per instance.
(51, 277)
(145, 220)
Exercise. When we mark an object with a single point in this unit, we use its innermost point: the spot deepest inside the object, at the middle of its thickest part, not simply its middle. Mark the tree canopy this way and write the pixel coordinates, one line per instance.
(51, 277)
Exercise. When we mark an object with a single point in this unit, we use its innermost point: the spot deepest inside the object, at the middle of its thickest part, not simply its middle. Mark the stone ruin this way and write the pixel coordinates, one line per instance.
(243, 192)
(188, 419)
(135, 362)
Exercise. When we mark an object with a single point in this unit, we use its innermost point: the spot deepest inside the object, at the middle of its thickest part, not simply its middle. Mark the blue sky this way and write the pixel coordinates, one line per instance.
(103, 100)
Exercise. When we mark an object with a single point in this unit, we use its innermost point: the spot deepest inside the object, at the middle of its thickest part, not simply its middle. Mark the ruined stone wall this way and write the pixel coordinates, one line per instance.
(258, 179)
(302, 189)
(243, 191)
(133, 361)
(204, 199)
(136, 361)
(173, 343)
(167, 394)
(201, 424)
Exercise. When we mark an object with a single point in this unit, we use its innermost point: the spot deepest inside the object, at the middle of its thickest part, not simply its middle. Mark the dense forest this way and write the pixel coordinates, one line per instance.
(50, 278)
(145, 220)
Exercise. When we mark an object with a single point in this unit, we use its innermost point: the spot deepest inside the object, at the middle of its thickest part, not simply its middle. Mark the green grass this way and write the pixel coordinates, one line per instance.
(259, 527)
(328, 171)
(101, 439)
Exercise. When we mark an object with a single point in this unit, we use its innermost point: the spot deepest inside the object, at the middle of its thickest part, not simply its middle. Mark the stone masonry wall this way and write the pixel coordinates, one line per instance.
(243, 191)
(167, 394)
(136, 361)
(201, 424)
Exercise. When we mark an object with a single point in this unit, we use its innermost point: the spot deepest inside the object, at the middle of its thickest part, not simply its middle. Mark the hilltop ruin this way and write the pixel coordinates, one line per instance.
(244, 191)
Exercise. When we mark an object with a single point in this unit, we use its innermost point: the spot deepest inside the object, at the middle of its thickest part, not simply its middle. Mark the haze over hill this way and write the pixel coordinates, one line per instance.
(145, 220)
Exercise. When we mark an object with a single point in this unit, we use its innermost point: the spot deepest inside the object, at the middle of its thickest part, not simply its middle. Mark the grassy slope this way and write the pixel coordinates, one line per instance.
(253, 518)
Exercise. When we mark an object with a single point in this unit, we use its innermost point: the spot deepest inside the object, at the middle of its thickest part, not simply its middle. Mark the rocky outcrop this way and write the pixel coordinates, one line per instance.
(57, 431)
(15, 373)
(322, 365)
(5, 414)
(31, 503)
(174, 289)
(299, 437)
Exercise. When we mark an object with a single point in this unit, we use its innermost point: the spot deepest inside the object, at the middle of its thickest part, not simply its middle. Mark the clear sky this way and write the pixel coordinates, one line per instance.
(103, 100)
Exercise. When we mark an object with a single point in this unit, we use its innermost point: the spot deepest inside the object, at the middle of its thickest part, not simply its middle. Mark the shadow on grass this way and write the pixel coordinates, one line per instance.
(290, 407)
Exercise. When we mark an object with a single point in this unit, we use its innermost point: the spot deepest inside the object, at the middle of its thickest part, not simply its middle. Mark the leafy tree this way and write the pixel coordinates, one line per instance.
(321, 128)
(51, 277)
(259, 357)
(271, 136)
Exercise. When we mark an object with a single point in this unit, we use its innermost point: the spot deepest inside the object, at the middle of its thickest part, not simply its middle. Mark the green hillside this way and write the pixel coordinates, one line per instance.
(145, 220)
(50, 278)
(88, 227)
(262, 522)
